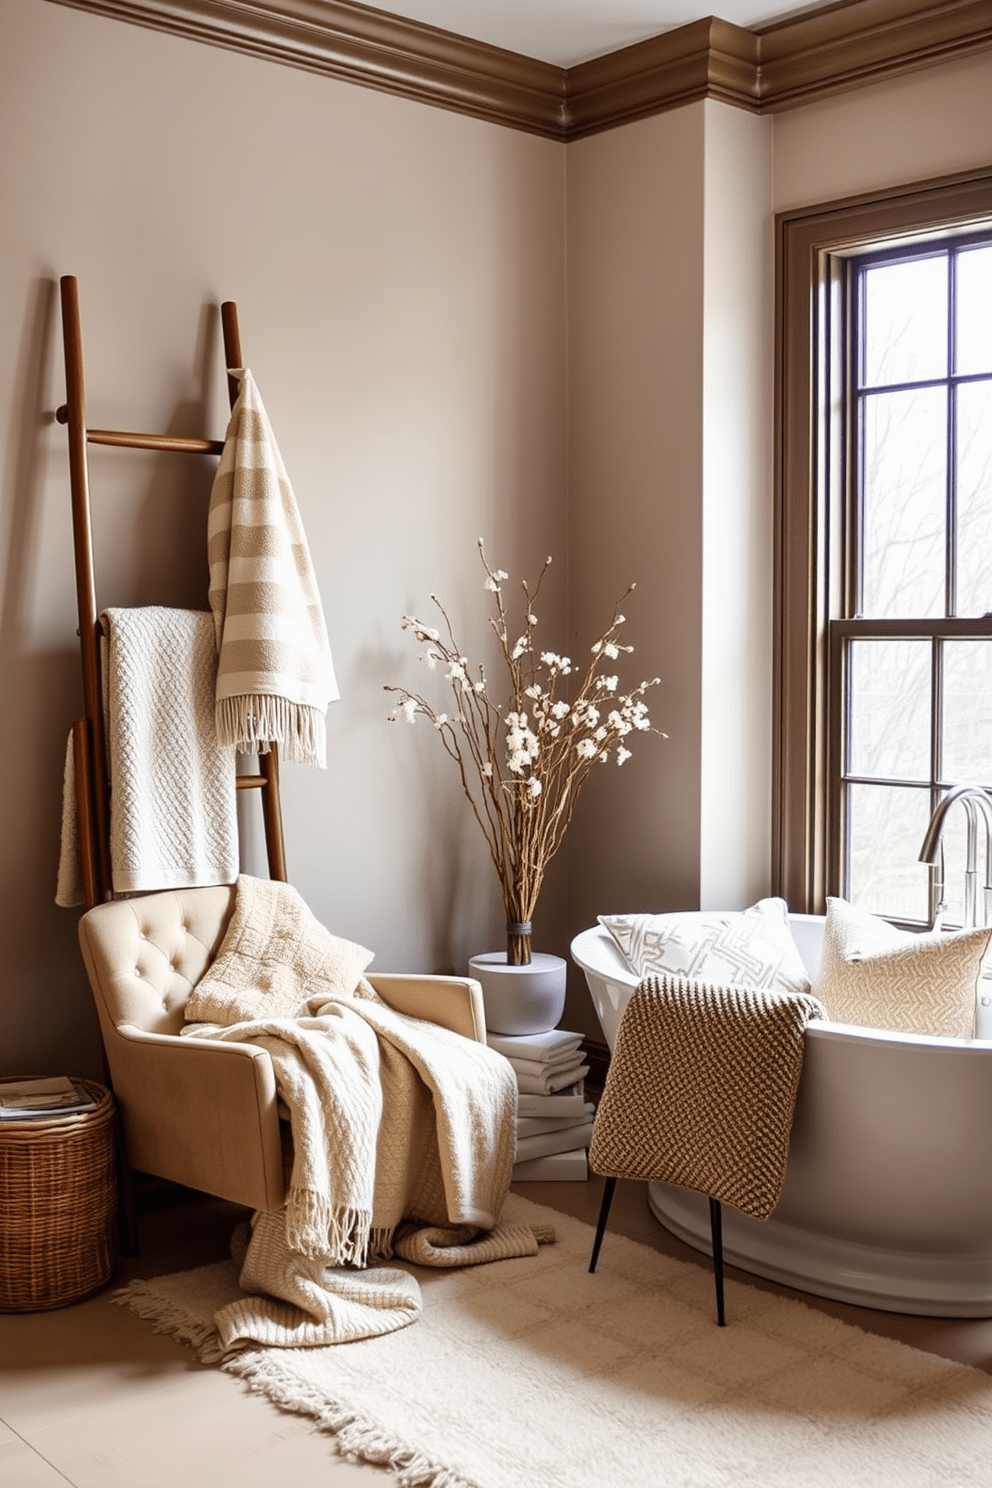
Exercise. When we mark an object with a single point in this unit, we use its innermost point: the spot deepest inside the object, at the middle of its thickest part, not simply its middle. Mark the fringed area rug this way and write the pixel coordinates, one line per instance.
(531, 1373)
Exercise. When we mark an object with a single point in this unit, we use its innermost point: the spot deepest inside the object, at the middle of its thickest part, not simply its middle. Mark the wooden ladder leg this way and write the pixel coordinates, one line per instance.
(74, 416)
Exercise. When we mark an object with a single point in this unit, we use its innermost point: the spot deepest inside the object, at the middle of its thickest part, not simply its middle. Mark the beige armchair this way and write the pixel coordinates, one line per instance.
(200, 1113)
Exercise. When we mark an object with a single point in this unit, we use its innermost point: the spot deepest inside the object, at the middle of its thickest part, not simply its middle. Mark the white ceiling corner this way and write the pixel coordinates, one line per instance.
(566, 32)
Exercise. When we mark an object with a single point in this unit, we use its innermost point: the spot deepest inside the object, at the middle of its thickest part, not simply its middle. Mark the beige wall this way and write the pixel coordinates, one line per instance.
(736, 693)
(636, 245)
(928, 123)
(402, 275)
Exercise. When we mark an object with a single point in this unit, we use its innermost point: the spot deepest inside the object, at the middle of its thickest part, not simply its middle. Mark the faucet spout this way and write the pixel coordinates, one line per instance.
(977, 803)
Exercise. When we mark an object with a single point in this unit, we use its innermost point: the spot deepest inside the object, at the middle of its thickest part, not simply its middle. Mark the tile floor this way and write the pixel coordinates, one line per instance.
(91, 1396)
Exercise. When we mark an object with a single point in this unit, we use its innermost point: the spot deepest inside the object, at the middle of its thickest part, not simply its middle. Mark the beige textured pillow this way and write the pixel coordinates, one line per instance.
(275, 958)
(751, 947)
(876, 976)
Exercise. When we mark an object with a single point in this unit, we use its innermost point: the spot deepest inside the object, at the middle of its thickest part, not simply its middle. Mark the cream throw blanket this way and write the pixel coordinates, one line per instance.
(275, 676)
(403, 1136)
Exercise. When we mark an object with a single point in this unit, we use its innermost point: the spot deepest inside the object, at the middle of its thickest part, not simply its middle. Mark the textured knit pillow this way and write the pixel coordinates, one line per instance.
(876, 976)
(751, 947)
(274, 960)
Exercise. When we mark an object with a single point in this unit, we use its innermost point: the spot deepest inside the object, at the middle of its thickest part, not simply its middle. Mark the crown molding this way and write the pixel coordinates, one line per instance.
(849, 45)
(357, 44)
(781, 66)
(706, 59)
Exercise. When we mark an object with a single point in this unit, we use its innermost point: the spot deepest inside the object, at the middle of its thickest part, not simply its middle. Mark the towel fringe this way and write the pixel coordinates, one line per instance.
(321, 1230)
(252, 722)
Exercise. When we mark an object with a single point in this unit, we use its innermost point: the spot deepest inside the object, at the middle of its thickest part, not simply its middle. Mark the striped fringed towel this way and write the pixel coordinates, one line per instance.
(275, 676)
(701, 1090)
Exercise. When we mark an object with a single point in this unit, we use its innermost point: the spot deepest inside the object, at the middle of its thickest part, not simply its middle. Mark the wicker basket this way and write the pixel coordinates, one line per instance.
(58, 1200)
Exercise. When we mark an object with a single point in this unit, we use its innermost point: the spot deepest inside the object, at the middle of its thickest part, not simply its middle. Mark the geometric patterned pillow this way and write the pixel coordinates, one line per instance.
(751, 947)
(875, 976)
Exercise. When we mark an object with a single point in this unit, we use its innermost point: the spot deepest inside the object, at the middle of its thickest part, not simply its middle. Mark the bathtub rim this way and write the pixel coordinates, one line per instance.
(610, 966)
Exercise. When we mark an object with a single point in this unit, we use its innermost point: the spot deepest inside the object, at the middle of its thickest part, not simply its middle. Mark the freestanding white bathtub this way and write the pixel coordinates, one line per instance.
(888, 1197)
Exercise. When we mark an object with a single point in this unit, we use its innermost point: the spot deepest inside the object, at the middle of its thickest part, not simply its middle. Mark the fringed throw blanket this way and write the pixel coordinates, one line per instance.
(403, 1136)
(173, 811)
(275, 676)
(701, 1090)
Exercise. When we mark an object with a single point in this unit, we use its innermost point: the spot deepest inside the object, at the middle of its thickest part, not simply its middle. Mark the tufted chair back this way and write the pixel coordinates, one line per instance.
(203, 1114)
(149, 953)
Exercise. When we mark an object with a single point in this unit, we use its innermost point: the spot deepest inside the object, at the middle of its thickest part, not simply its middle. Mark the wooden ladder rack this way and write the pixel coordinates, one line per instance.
(89, 732)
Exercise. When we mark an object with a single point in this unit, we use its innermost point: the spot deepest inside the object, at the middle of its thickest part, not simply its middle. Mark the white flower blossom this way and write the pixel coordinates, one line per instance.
(520, 646)
(440, 720)
(533, 691)
(494, 579)
(487, 769)
(534, 786)
(421, 631)
(407, 710)
(431, 659)
(586, 749)
(622, 754)
(531, 619)
(607, 684)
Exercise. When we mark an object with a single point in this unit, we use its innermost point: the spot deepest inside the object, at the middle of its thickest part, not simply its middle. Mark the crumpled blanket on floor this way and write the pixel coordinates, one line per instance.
(403, 1134)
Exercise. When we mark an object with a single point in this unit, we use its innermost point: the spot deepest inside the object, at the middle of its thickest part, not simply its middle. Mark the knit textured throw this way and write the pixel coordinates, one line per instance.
(701, 1090)
(275, 675)
(399, 1126)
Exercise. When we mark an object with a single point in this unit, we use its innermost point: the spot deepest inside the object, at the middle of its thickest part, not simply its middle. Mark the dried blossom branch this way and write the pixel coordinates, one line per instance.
(523, 769)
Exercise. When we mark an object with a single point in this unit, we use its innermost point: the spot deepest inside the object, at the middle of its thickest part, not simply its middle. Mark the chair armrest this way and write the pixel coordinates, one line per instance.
(199, 1112)
(453, 1002)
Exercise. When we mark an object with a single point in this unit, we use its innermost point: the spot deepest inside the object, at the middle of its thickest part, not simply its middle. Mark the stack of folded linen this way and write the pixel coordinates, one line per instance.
(554, 1120)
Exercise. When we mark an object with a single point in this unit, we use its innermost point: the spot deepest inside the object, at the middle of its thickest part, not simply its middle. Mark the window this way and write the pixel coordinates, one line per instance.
(884, 539)
(911, 656)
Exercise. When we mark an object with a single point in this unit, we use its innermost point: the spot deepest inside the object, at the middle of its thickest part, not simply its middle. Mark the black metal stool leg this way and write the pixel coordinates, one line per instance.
(716, 1231)
(604, 1214)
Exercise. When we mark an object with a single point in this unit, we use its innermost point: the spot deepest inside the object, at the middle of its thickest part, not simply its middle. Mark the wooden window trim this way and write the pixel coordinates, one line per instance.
(810, 450)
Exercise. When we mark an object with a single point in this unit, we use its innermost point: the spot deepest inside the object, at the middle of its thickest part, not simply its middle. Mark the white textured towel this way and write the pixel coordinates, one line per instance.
(551, 1081)
(275, 675)
(543, 1048)
(173, 802)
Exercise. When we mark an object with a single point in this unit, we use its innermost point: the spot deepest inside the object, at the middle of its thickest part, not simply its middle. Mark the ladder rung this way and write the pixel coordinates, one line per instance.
(250, 782)
(180, 444)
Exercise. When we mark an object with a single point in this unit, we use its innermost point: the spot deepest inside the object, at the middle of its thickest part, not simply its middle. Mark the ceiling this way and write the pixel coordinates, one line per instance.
(566, 32)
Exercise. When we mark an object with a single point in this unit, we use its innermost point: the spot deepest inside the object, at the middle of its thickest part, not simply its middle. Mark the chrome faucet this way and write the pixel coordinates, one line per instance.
(977, 803)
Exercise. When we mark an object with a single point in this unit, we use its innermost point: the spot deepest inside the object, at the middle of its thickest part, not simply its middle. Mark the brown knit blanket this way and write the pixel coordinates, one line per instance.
(702, 1088)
